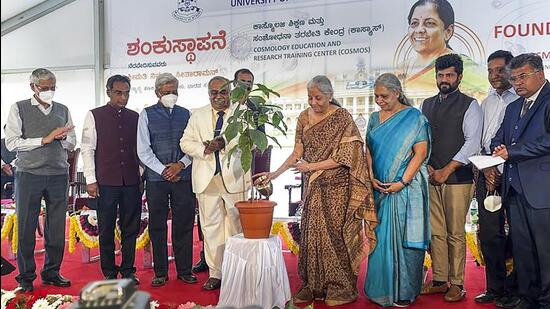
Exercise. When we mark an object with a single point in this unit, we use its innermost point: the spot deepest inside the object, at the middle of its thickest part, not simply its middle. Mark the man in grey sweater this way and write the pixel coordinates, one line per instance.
(40, 131)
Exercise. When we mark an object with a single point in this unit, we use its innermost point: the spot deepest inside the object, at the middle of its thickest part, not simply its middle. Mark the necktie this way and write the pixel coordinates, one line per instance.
(526, 106)
(217, 131)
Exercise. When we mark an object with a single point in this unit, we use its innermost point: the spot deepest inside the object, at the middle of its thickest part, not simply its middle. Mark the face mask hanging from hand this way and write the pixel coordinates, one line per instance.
(169, 100)
(492, 202)
(46, 96)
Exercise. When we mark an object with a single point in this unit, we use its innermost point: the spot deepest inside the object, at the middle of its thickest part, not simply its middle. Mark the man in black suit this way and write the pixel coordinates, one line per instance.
(523, 140)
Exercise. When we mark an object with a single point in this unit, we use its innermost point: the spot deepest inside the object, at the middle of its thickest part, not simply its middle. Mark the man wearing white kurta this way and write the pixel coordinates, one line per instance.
(218, 185)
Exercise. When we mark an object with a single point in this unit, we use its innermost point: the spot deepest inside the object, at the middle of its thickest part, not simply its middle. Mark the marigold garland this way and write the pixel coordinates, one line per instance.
(8, 225)
(75, 229)
(427, 260)
(90, 239)
(9, 230)
(72, 238)
(14, 235)
(282, 229)
(472, 244)
(142, 240)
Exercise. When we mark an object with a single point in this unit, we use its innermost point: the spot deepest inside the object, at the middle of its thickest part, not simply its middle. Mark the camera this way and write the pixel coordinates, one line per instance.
(111, 294)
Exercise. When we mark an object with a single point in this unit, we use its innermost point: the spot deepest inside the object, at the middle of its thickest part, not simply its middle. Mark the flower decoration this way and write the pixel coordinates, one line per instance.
(9, 230)
(87, 234)
(84, 228)
(36, 300)
(6, 297)
(42, 300)
(41, 303)
(284, 229)
(92, 220)
(143, 235)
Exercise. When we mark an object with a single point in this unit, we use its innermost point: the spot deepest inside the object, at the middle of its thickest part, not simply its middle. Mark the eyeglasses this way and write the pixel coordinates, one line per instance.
(521, 78)
(44, 88)
(220, 92)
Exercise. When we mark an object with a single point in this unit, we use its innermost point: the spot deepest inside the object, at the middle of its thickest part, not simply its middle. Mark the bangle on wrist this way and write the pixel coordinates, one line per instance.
(404, 183)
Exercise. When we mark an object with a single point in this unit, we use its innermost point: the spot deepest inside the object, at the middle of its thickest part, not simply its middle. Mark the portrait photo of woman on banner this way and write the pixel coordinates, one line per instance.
(432, 32)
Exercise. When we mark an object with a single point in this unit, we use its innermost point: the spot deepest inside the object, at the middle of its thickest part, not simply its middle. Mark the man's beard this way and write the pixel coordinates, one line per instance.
(450, 87)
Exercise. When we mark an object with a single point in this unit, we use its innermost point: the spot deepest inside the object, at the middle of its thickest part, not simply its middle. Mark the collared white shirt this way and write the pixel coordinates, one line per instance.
(494, 107)
(88, 147)
(536, 95)
(14, 124)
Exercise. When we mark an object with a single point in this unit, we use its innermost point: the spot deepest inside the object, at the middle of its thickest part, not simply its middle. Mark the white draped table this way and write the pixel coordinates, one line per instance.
(254, 273)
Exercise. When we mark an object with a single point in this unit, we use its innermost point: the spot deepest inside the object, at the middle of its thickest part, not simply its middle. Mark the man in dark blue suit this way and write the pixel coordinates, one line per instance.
(523, 140)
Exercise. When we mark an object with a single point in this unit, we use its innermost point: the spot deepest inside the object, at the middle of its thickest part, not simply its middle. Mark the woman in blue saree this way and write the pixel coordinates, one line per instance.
(398, 144)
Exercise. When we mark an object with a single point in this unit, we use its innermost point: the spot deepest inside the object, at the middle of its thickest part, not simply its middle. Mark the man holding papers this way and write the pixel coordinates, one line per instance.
(523, 140)
(492, 235)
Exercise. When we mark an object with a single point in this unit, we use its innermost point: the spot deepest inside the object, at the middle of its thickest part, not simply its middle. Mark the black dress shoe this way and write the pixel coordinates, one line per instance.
(212, 284)
(159, 281)
(200, 267)
(57, 281)
(188, 278)
(508, 301)
(26, 287)
(487, 297)
(133, 278)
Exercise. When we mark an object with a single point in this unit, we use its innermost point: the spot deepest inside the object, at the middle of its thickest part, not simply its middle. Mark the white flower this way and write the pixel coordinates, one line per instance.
(92, 220)
(57, 303)
(154, 304)
(6, 297)
(42, 303)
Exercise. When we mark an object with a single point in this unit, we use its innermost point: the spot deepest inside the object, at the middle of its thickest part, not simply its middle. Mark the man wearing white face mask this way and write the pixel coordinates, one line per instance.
(168, 180)
(40, 131)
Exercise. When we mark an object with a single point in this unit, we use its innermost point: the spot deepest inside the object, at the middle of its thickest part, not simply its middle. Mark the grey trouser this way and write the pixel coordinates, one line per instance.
(29, 193)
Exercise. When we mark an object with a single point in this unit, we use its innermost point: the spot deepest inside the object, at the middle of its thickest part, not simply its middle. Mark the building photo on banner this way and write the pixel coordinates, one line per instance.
(284, 43)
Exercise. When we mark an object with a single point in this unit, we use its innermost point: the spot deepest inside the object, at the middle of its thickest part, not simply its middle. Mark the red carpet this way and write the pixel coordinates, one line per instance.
(177, 292)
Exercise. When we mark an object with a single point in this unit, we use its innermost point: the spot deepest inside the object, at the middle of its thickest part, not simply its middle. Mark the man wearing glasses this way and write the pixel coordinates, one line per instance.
(523, 140)
(168, 176)
(40, 131)
(111, 168)
(218, 185)
(501, 289)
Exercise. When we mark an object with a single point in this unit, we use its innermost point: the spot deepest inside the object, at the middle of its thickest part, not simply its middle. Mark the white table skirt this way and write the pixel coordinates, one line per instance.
(254, 273)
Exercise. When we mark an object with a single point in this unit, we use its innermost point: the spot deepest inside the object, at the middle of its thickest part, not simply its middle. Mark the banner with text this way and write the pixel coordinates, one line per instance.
(287, 42)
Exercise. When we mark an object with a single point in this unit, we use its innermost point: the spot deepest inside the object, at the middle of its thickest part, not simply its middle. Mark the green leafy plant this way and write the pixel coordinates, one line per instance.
(249, 117)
